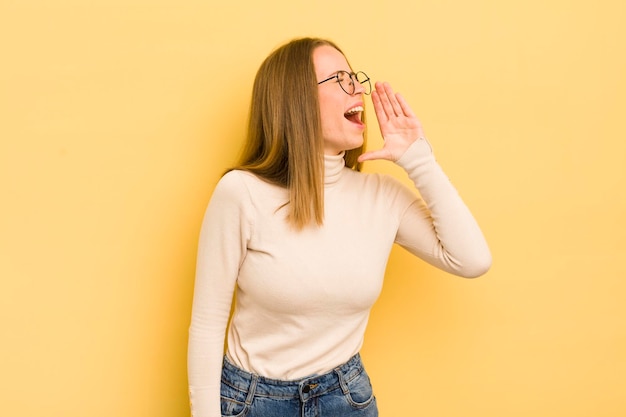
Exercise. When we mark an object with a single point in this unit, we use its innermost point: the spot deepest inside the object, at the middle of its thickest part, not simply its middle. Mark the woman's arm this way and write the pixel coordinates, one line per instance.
(221, 249)
(440, 228)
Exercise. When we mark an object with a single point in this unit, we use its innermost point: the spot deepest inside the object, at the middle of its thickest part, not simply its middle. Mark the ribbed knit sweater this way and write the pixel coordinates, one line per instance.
(303, 298)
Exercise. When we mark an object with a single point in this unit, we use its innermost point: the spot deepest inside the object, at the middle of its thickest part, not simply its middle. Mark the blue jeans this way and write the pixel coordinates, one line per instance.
(344, 392)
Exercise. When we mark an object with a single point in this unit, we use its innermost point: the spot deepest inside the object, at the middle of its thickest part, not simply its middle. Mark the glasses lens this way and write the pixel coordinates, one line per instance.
(345, 81)
(364, 80)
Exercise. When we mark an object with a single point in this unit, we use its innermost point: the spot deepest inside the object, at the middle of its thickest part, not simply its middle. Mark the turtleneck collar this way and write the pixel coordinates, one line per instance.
(333, 165)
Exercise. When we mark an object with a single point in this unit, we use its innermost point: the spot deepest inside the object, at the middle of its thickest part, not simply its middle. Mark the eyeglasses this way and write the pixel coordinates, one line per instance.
(346, 81)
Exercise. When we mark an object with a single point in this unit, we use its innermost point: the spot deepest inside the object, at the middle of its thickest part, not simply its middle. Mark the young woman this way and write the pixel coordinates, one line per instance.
(304, 238)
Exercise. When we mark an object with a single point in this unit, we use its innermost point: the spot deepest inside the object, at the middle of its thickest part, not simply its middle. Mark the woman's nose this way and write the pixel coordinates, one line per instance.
(358, 87)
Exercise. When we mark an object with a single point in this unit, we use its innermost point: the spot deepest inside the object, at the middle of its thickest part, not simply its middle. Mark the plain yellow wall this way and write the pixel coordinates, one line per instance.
(118, 117)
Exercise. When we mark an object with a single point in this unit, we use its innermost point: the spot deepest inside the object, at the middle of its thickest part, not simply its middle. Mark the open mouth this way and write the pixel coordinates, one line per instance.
(354, 114)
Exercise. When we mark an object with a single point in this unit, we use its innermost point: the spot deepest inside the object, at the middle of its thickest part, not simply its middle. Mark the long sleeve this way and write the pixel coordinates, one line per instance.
(439, 228)
(221, 249)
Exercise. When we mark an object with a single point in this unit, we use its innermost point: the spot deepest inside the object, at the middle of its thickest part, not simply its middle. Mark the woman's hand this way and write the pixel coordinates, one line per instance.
(398, 124)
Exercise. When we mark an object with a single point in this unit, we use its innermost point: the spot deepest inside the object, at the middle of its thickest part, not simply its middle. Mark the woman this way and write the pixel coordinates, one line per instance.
(304, 237)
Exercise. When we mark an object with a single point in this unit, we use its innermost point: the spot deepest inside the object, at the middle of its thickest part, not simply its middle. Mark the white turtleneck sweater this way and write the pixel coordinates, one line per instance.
(304, 297)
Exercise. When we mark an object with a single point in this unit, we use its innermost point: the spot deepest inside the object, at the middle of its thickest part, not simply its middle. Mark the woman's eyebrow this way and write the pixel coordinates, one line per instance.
(338, 71)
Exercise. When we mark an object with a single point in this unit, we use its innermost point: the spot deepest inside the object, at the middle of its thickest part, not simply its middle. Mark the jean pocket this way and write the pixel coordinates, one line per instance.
(233, 401)
(359, 392)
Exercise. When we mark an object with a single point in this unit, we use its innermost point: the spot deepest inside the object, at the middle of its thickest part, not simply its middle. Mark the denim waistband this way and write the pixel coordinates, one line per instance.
(304, 388)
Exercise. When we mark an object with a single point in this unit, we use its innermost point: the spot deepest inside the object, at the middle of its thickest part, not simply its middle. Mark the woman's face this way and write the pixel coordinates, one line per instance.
(342, 128)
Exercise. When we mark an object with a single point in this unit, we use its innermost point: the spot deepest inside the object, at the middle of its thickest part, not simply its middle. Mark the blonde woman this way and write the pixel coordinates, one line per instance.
(303, 238)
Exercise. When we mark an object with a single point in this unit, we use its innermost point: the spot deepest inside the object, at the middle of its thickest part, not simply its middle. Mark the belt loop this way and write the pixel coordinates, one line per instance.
(252, 389)
(342, 382)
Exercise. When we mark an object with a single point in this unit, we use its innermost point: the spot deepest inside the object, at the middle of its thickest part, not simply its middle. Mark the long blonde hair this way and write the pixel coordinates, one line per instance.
(284, 142)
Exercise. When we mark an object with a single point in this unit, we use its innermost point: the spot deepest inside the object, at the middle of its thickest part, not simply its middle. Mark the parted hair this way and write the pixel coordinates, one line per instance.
(284, 143)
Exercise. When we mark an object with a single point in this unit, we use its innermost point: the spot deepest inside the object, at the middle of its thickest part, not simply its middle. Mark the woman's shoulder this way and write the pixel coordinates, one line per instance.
(238, 178)
(232, 186)
(232, 180)
(241, 184)
(244, 178)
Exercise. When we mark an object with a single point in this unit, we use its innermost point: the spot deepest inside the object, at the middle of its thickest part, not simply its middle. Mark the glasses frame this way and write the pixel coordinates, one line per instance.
(353, 80)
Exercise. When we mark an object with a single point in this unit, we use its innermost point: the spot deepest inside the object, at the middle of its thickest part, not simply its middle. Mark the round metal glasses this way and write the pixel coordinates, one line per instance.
(346, 81)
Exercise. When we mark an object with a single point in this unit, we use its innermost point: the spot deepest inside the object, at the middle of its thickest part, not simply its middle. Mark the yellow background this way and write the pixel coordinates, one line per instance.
(118, 117)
